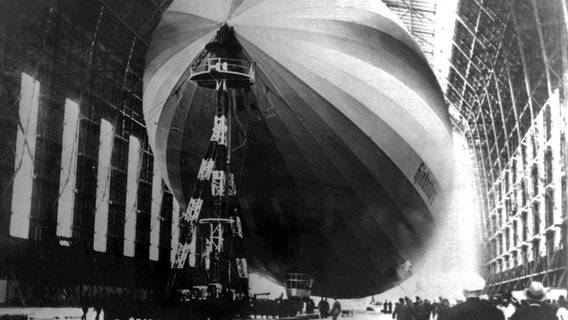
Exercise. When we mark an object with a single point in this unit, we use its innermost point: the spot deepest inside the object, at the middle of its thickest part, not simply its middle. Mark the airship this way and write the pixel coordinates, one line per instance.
(344, 160)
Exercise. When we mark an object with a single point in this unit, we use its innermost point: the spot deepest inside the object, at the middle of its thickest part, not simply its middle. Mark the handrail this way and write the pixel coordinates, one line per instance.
(227, 59)
(224, 65)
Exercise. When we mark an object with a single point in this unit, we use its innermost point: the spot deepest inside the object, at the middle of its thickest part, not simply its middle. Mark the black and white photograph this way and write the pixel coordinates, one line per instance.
(283, 159)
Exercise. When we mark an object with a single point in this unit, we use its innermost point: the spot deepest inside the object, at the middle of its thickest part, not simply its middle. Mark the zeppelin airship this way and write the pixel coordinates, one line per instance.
(344, 160)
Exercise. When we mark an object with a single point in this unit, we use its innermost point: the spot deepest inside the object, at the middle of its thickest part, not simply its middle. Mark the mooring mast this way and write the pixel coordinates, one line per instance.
(218, 67)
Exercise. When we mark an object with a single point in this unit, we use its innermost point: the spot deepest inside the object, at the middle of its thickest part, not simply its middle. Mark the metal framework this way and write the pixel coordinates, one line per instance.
(508, 82)
(93, 53)
(419, 17)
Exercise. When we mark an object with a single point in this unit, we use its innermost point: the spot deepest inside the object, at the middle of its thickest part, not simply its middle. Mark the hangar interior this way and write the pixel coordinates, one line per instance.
(80, 64)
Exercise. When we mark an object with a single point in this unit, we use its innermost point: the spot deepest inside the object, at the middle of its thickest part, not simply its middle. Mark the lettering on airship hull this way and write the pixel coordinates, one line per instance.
(426, 181)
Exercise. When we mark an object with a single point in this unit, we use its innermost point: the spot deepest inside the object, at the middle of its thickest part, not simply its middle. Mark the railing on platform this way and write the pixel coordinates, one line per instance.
(298, 285)
(225, 66)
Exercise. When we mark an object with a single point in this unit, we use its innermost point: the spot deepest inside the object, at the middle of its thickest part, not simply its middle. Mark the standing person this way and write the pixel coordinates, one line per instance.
(409, 306)
(84, 302)
(310, 306)
(443, 310)
(562, 313)
(422, 312)
(335, 309)
(536, 308)
(435, 304)
(98, 306)
(473, 308)
(401, 311)
(323, 307)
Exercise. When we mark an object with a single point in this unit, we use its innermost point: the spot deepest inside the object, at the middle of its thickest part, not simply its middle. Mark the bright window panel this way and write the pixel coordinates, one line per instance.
(131, 196)
(25, 154)
(68, 176)
(175, 230)
(157, 196)
(103, 186)
(192, 251)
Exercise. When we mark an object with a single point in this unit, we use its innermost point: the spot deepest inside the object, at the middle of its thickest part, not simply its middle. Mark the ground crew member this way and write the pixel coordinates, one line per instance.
(473, 308)
(335, 309)
(323, 307)
(536, 308)
(401, 311)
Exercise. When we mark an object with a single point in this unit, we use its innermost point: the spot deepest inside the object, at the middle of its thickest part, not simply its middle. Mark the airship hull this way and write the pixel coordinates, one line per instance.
(347, 161)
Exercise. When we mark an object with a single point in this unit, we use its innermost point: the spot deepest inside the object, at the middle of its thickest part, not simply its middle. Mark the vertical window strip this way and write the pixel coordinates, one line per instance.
(157, 196)
(192, 251)
(25, 154)
(68, 176)
(103, 185)
(175, 230)
(131, 196)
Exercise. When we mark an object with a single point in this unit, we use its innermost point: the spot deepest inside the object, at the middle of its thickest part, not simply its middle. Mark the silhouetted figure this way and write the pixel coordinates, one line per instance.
(536, 308)
(98, 306)
(335, 309)
(443, 310)
(323, 307)
(409, 306)
(473, 308)
(402, 311)
(422, 310)
(84, 303)
(310, 306)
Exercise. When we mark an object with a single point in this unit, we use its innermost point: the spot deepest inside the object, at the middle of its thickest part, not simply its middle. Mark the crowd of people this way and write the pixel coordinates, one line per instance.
(325, 311)
(221, 306)
(535, 306)
(279, 308)
(288, 308)
(405, 308)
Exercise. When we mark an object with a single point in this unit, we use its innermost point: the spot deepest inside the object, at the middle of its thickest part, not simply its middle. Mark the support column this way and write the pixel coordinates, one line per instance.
(564, 121)
(523, 62)
(542, 47)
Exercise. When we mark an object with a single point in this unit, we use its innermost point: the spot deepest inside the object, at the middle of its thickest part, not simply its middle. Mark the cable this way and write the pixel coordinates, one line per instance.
(244, 132)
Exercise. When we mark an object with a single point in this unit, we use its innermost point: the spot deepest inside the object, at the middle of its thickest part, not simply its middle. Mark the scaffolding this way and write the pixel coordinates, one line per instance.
(419, 17)
(216, 233)
(92, 53)
(508, 81)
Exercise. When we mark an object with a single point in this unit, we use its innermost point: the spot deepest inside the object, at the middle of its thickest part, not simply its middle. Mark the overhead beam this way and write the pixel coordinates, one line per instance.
(542, 47)
(119, 18)
(523, 61)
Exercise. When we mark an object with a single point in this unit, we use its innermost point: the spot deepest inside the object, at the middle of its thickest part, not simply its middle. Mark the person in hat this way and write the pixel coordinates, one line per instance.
(443, 311)
(323, 307)
(536, 308)
(402, 311)
(474, 308)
